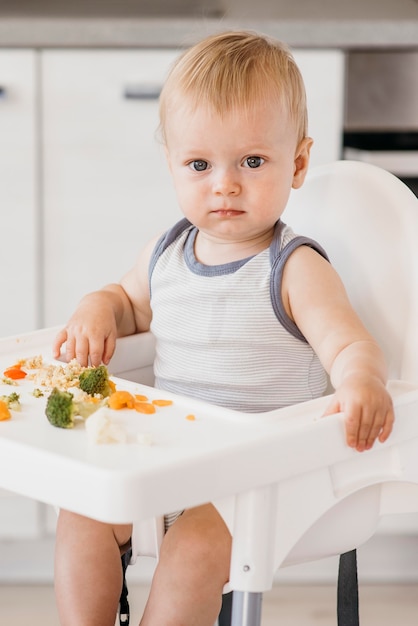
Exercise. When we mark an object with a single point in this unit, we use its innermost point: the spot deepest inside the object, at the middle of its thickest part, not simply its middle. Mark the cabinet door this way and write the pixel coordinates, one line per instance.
(19, 253)
(106, 185)
(323, 74)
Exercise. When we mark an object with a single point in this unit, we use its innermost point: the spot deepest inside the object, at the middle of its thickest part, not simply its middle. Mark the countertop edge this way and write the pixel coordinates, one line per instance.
(59, 32)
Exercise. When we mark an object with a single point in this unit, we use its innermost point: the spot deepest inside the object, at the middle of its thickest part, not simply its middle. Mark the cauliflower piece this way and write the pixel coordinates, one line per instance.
(101, 429)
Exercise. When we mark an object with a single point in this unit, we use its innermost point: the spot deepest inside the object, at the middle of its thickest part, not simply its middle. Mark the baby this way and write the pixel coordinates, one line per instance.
(246, 314)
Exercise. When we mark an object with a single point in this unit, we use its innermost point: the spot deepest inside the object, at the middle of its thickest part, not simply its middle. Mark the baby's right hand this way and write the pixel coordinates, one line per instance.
(90, 333)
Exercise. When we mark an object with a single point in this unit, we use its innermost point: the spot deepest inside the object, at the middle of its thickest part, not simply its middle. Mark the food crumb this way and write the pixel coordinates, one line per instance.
(145, 439)
(190, 417)
(5, 380)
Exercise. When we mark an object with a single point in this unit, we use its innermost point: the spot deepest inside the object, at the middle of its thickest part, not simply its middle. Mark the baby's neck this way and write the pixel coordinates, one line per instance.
(213, 251)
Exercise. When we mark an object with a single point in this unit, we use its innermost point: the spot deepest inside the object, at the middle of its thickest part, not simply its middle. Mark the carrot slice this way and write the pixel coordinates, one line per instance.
(4, 411)
(162, 402)
(14, 372)
(141, 398)
(121, 400)
(144, 407)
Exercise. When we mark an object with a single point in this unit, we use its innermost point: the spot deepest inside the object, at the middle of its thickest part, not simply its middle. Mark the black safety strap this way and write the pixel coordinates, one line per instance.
(225, 616)
(347, 593)
(124, 615)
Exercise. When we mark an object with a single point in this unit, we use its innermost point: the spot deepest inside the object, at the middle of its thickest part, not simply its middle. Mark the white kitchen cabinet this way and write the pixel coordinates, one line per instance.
(323, 74)
(105, 182)
(19, 241)
(106, 188)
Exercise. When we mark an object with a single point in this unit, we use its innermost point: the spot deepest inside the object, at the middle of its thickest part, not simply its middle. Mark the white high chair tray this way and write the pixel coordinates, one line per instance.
(219, 454)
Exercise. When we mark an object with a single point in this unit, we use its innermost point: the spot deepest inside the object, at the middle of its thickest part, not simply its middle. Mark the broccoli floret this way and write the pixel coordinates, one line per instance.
(37, 393)
(60, 408)
(12, 401)
(95, 381)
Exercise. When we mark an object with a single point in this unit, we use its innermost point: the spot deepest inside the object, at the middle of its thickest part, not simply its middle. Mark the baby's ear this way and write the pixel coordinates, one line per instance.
(301, 161)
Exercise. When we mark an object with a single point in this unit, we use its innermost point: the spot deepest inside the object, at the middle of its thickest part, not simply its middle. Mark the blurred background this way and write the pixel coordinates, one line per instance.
(83, 182)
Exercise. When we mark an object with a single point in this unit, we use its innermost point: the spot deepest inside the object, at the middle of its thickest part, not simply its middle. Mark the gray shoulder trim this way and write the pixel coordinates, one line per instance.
(276, 280)
(164, 241)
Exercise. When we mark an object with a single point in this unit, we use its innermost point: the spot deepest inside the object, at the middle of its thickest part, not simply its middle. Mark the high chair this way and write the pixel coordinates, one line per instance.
(322, 498)
(296, 491)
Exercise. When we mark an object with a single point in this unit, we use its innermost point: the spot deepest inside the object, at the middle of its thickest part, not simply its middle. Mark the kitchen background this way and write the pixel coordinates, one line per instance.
(83, 183)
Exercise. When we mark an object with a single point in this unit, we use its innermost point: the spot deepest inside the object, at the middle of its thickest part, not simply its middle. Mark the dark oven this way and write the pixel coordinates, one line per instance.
(381, 111)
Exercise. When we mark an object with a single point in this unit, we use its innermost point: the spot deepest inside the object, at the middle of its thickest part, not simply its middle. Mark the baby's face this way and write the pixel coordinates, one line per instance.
(233, 173)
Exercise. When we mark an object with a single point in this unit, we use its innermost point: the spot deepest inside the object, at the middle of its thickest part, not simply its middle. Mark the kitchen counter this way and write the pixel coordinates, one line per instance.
(359, 24)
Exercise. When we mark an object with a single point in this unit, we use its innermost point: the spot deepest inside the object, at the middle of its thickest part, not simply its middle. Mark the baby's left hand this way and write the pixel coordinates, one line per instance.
(368, 410)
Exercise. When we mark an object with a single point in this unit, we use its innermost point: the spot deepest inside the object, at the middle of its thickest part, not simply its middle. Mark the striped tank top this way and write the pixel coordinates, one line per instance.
(222, 333)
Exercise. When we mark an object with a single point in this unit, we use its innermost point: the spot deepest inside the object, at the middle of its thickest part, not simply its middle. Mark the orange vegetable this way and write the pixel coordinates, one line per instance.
(191, 418)
(144, 407)
(93, 399)
(112, 386)
(140, 398)
(121, 400)
(162, 402)
(4, 411)
(15, 372)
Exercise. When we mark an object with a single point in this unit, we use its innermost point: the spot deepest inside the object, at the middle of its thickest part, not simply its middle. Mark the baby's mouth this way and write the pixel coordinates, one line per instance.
(228, 212)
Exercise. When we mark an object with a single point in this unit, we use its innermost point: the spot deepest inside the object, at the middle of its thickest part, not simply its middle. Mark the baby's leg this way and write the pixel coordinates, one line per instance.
(88, 571)
(192, 570)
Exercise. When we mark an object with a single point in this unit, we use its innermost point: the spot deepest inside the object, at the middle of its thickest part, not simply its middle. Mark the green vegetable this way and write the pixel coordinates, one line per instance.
(95, 381)
(12, 401)
(61, 408)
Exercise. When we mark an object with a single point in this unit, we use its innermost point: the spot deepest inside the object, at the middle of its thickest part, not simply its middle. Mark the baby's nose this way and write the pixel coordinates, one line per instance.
(226, 183)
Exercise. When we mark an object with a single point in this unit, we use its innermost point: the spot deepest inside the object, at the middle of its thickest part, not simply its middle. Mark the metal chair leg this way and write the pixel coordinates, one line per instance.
(246, 608)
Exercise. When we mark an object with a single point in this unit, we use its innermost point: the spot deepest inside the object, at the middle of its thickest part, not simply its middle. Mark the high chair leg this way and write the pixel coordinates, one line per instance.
(246, 608)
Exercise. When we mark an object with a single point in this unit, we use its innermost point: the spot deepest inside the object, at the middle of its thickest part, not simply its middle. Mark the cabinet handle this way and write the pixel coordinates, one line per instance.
(142, 92)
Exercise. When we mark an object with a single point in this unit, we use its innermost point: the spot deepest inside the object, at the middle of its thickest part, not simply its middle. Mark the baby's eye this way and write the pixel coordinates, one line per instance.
(199, 166)
(253, 161)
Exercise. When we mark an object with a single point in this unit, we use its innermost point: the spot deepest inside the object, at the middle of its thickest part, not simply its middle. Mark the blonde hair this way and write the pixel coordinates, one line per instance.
(235, 70)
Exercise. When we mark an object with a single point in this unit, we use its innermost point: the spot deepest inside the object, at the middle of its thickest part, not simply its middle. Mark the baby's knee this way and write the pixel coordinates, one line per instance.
(199, 540)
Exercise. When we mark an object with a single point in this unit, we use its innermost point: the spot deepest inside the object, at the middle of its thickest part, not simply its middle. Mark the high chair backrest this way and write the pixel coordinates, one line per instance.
(367, 221)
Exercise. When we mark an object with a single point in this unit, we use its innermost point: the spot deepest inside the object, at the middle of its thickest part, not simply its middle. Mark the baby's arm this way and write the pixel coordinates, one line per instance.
(116, 310)
(317, 301)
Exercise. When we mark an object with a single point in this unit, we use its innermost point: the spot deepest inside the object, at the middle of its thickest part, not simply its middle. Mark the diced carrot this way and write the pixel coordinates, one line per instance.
(112, 386)
(162, 402)
(141, 398)
(93, 399)
(15, 372)
(4, 411)
(121, 400)
(144, 407)
(190, 417)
